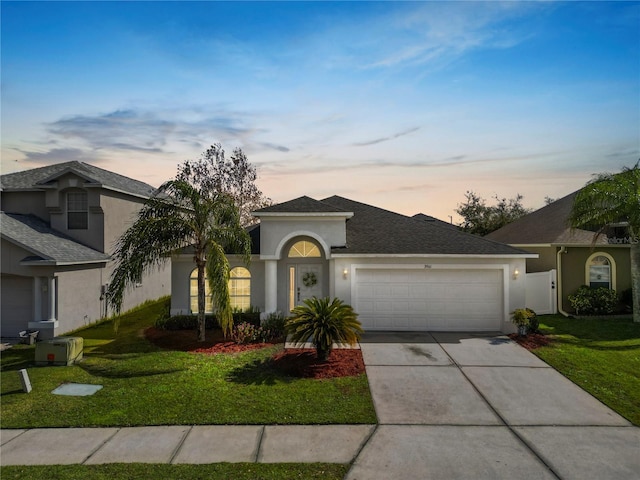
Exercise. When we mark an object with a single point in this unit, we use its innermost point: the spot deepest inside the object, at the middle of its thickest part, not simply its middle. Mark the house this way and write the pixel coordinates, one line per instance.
(571, 253)
(398, 272)
(59, 224)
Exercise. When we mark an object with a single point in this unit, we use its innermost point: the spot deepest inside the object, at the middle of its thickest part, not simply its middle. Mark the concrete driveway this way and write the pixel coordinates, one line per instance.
(458, 406)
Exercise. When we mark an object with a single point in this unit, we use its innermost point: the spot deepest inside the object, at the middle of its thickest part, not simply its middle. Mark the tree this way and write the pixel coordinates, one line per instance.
(182, 214)
(325, 322)
(613, 198)
(234, 176)
(481, 219)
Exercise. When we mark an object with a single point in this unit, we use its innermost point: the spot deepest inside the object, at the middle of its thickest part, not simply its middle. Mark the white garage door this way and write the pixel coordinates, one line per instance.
(444, 300)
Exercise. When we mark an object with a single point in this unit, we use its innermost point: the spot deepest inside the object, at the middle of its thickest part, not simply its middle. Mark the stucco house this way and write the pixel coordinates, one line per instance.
(571, 253)
(59, 224)
(398, 272)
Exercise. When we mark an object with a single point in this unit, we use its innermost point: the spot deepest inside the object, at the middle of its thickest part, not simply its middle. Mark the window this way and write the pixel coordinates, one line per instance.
(304, 249)
(77, 211)
(600, 271)
(193, 293)
(240, 288)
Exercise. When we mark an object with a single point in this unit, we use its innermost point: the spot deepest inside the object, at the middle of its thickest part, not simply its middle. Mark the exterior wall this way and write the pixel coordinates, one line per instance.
(79, 302)
(183, 265)
(25, 203)
(546, 259)
(573, 269)
(119, 214)
(16, 304)
(275, 232)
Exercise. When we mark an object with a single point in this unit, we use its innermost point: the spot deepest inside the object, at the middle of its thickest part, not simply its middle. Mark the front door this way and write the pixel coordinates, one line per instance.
(305, 281)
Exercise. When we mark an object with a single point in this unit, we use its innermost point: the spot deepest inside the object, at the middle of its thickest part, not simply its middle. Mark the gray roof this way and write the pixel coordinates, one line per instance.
(38, 177)
(373, 230)
(437, 221)
(548, 225)
(301, 205)
(47, 246)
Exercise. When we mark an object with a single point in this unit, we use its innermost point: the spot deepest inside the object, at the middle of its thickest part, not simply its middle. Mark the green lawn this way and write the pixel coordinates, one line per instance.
(600, 355)
(217, 471)
(145, 385)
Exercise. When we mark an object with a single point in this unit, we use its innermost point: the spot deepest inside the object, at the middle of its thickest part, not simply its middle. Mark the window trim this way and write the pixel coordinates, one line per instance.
(304, 253)
(612, 269)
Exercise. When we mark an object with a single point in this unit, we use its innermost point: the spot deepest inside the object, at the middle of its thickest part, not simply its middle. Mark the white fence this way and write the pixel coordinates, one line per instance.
(541, 295)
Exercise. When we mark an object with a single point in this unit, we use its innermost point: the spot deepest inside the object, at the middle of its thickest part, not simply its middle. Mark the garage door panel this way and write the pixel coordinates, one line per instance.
(413, 299)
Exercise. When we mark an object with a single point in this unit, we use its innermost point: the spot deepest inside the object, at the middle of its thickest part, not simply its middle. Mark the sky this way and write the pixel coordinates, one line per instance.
(405, 106)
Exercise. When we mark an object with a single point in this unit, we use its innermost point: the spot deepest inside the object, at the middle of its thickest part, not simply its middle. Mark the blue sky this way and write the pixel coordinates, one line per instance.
(401, 105)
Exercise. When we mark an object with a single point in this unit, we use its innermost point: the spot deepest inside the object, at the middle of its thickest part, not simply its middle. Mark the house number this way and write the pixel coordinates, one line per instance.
(427, 266)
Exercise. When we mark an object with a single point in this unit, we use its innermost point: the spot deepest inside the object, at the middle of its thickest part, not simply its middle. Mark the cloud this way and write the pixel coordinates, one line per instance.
(59, 155)
(384, 139)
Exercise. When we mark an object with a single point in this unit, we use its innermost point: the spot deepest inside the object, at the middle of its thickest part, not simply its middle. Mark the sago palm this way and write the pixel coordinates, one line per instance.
(181, 215)
(608, 199)
(324, 322)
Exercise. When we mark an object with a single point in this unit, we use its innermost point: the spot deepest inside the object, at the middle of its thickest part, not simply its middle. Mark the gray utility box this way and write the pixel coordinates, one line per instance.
(59, 351)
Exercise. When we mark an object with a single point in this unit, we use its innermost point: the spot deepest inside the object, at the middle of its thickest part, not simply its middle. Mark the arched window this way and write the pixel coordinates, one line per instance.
(600, 271)
(304, 249)
(240, 288)
(193, 293)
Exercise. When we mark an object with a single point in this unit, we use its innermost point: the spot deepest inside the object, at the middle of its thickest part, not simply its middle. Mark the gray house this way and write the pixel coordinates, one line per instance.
(59, 225)
(398, 272)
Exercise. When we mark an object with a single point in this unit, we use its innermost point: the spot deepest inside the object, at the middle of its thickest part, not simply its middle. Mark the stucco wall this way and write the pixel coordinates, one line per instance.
(275, 232)
(546, 259)
(573, 269)
(27, 203)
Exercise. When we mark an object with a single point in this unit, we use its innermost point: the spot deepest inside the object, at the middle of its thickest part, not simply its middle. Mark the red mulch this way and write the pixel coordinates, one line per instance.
(296, 362)
(531, 341)
(302, 362)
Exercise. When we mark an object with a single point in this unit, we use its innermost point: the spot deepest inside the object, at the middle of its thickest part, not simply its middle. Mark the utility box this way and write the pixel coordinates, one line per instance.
(59, 351)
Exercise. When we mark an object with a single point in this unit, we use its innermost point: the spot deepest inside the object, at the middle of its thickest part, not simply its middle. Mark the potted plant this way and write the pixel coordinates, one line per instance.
(522, 318)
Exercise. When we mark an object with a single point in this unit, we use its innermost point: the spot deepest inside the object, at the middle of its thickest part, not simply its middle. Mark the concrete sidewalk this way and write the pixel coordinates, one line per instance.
(449, 405)
(185, 444)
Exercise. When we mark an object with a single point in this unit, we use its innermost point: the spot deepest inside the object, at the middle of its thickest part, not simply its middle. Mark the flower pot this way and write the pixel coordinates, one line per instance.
(522, 330)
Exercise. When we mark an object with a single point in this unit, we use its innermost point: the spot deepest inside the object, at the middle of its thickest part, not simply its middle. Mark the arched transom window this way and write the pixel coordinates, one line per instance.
(600, 270)
(304, 249)
(239, 290)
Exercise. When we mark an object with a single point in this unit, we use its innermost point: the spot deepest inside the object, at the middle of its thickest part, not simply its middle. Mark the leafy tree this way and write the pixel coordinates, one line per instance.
(482, 219)
(182, 214)
(234, 176)
(325, 322)
(613, 198)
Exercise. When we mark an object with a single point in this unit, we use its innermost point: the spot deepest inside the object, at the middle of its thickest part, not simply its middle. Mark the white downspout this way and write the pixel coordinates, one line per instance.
(562, 250)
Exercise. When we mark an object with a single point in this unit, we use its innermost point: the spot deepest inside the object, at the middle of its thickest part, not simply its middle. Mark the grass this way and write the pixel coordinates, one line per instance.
(140, 471)
(600, 355)
(145, 385)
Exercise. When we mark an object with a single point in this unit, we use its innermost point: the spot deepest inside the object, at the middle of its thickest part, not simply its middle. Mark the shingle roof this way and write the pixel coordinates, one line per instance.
(373, 230)
(301, 205)
(548, 225)
(434, 220)
(47, 245)
(36, 177)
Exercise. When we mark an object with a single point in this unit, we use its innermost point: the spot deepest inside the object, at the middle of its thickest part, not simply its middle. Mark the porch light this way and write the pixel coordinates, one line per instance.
(345, 272)
(516, 272)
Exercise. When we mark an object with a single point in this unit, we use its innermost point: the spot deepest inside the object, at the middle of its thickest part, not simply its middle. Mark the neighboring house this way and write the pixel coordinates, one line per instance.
(572, 253)
(399, 273)
(59, 225)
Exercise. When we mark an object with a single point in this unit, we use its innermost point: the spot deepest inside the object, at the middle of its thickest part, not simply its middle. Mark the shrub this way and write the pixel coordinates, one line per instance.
(525, 317)
(273, 326)
(245, 332)
(324, 322)
(183, 322)
(594, 301)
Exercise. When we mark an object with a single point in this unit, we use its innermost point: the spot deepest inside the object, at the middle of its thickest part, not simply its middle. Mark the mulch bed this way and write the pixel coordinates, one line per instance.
(297, 362)
(531, 341)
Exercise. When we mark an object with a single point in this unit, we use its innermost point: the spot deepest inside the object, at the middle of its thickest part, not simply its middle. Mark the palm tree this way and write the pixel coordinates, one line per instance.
(613, 198)
(325, 324)
(179, 215)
